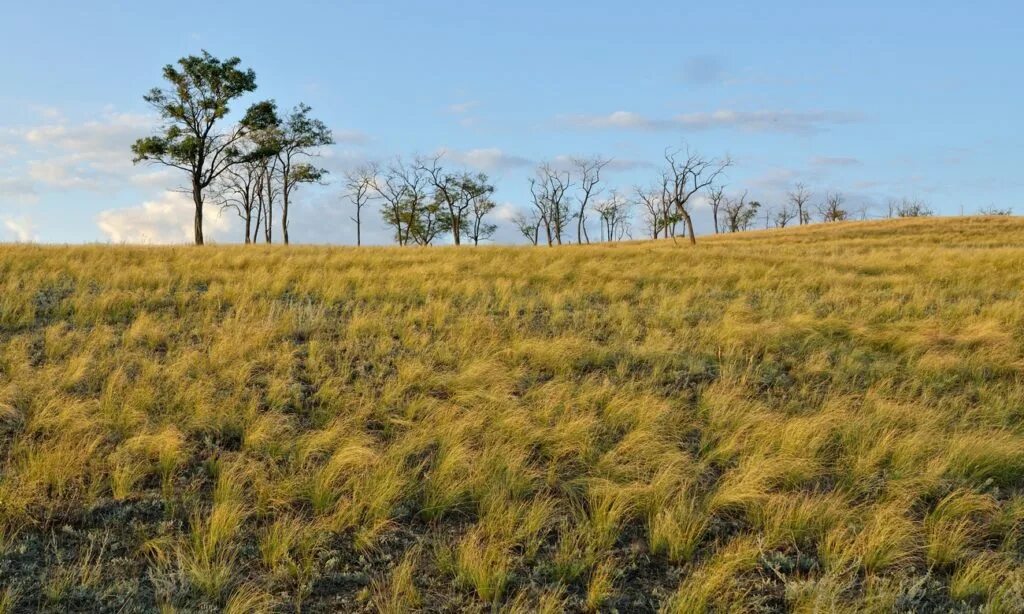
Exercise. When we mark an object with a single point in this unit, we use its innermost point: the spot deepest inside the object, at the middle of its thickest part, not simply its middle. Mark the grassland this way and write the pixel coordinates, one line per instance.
(817, 419)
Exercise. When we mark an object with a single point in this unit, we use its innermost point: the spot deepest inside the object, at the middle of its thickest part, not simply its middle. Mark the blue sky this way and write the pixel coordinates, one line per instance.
(873, 99)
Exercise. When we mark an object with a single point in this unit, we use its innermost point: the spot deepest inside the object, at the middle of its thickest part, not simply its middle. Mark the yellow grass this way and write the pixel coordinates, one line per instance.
(815, 419)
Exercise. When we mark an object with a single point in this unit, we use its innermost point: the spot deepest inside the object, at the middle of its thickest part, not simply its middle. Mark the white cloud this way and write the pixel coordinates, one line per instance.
(350, 137)
(489, 159)
(461, 108)
(17, 190)
(618, 119)
(749, 121)
(113, 132)
(160, 178)
(20, 228)
(168, 219)
(505, 212)
(61, 155)
(60, 174)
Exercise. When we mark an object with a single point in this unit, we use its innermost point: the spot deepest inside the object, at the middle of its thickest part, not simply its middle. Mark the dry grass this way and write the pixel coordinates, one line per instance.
(815, 419)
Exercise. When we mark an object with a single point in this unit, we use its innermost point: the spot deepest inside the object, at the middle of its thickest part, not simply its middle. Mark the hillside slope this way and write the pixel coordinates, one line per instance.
(823, 418)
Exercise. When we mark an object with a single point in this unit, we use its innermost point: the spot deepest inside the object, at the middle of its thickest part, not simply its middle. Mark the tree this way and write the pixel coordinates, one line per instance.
(359, 186)
(687, 173)
(249, 187)
(298, 137)
(650, 200)
(784, 214)
(738, 213)
(267, 197)
(476, 192)
(669, 218)
(799, 197)
(528, 225)
(716, 195)
(428, 223)
(549, 189)
(614, 213)
(198, 96)
(240, 188)
(460, 194)
(832, 209)
(402, 187)
(446, 192)
(589, 172)
(907, 207)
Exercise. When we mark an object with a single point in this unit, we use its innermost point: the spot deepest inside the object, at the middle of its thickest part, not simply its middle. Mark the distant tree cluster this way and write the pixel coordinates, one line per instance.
(422, 200)
(563, 194)
(256, 166)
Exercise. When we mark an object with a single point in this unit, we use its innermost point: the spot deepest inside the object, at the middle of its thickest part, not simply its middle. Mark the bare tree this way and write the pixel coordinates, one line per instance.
(669, 218)
(447, 191)
(549, 189)
(401, 187)
(528, 225)
(614, 212)
(657, 204)
(266, 198)
(909, 207)
(716, 195)
(241, 185)
(799, 197)
(359, 190)
(832, 209)
(784, 214)
(650, 200)
(687, 173)
(738, 213)
(589, 172)
(239, 188)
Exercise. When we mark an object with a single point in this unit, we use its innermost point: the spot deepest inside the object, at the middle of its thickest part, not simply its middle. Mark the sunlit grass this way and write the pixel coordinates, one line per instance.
(816, 419)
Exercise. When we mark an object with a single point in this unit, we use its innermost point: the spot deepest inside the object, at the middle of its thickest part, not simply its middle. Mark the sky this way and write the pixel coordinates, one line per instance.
(876, 100)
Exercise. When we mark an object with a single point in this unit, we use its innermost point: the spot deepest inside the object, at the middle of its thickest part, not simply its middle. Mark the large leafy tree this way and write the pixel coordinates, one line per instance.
(193, 105)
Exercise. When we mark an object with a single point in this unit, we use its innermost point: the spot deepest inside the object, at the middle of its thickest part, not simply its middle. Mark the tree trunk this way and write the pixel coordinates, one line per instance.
(689, 227)
(197, 198)
(581, 228)
(268, 215)
(284, 215)
(248, 226)
(259, 217)
(268, 222)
